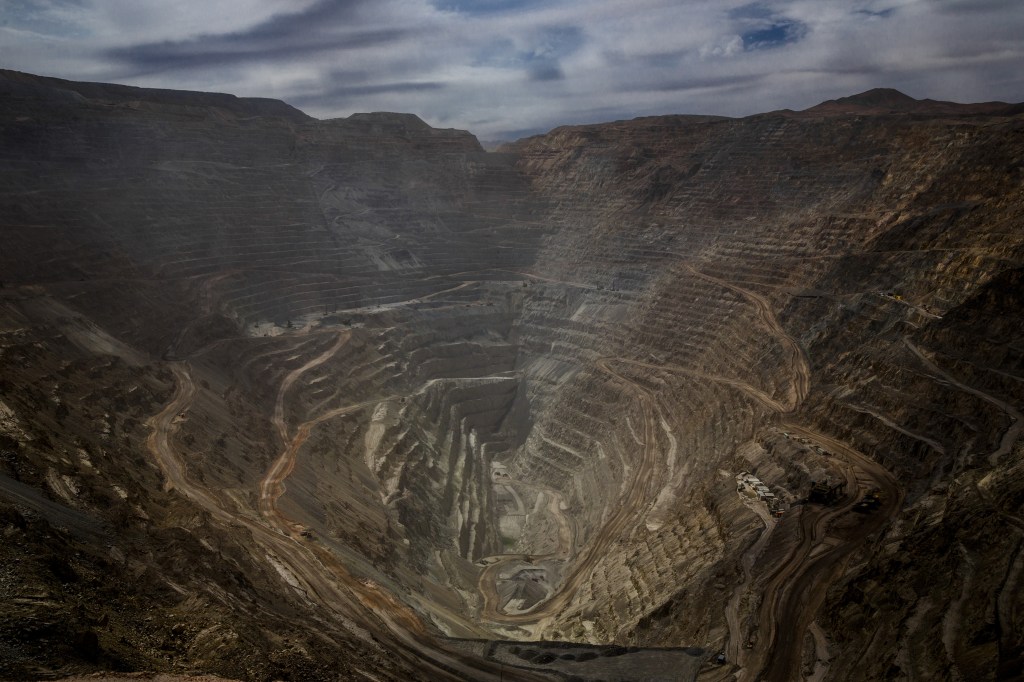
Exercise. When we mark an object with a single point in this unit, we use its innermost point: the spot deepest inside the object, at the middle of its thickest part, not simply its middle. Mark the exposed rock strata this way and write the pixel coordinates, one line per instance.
(296, 397)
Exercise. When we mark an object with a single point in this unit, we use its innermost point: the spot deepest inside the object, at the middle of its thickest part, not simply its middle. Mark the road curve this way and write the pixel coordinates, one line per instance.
(626, 513)
(272, 487)
(291, 377)
(1011, 434)
(752, 392)
(321, 575)
(798, 358)
(634, 498)
(734, 650)
(795, 589)
(795, 592)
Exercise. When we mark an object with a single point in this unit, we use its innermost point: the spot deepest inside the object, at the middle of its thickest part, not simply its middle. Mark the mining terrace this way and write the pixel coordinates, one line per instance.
(674, 398)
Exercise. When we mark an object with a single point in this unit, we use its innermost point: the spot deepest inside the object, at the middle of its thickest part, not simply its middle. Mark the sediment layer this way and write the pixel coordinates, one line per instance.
(354, 397)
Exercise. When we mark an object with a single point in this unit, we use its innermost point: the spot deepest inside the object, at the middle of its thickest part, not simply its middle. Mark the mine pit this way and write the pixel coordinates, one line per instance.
(675, 398)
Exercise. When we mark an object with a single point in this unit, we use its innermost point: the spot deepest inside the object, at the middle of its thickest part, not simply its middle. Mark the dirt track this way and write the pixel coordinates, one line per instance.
(290, 378)
(798, 359)
(734, 650)
(791, 595)
(794, 593)
(1011, 434)
(796, 588)
(626, 513)
(323, 578)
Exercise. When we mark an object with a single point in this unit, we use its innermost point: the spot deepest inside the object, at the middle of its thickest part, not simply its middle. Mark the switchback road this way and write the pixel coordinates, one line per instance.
(363, 610)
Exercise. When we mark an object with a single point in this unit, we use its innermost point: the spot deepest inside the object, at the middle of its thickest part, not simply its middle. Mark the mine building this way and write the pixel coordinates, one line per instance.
(825, 493)
(751, 486)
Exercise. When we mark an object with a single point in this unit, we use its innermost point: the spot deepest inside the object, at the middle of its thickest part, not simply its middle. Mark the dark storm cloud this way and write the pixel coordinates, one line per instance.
(552, 44)
(755, 10)
(484, 7)
(549, 71)
(880, 14)
(975, 6)
(702, 83)
(308, 21)
(283, 36)
(224, 50)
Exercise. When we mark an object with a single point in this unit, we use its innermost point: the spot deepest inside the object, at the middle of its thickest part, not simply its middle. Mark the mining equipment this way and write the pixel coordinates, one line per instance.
(823, 493)
(872, 500)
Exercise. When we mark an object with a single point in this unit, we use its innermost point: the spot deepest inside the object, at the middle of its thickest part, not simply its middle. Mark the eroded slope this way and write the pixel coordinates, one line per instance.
(297, 397)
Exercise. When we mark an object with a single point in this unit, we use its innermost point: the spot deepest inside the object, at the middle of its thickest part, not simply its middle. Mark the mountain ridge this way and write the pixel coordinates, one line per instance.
(890, 100)
(872, 101)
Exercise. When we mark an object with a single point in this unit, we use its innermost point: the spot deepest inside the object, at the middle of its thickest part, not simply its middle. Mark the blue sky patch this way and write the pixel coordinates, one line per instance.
(778, 34)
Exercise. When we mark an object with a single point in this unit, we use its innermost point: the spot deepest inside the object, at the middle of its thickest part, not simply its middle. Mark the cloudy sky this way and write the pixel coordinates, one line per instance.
(503, 68)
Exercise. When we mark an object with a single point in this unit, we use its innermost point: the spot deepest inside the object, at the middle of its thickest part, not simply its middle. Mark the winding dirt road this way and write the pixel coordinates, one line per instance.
(733, 648)
(796, 587)
(798, 358)
(755, 393)
(272, 484)
(1011, 434)
(637, 496)
(487, 583)
(291, 377)
(794, 592)
(626, 515)
(379, 617)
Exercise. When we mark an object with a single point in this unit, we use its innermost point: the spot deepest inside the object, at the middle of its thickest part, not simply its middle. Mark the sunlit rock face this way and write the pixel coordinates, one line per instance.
(322, 399)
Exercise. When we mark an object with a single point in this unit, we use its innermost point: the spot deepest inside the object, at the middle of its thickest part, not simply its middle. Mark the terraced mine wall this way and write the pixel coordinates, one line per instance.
(330, 399)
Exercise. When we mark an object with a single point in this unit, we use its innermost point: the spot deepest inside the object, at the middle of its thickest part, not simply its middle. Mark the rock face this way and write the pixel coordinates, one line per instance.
(328, 399)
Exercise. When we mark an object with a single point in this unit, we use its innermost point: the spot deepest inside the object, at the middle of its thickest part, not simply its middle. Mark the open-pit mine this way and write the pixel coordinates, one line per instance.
(674, 398)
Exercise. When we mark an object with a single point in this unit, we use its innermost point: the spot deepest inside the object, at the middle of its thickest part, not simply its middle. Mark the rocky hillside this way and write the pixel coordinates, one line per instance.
(287, 398)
